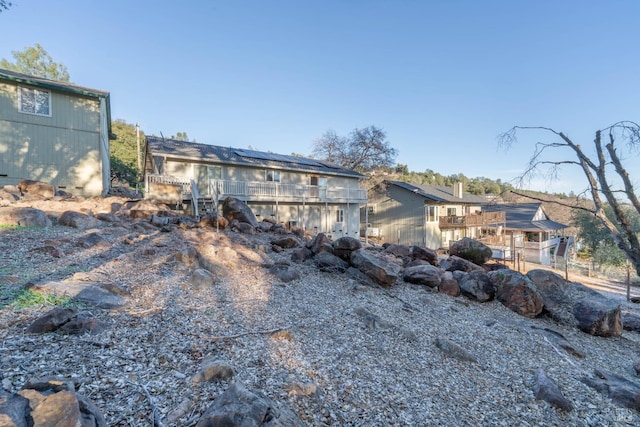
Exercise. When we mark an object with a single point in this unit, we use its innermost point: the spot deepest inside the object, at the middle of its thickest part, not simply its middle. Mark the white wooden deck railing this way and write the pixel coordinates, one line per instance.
(184, 183)
(288, 192)
(268, 191)
(545, 244)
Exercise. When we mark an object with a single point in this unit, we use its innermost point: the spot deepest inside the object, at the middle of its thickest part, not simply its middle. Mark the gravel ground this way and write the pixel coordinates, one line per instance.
(335, 352)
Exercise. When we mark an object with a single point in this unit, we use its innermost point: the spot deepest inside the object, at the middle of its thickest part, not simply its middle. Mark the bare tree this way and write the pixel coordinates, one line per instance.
(607, 177)
(362, 150)
(4, 5)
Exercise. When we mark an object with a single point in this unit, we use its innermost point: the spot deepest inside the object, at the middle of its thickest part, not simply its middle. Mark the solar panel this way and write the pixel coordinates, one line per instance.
(278, 158)
(328, 164)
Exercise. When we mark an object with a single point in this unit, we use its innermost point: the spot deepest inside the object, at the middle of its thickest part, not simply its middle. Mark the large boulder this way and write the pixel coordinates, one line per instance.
(264, 226)
(36, 189)
(546, 389)
(25, 217)
(619, 389)
(83, 292)
(300, 254)
(233, 208)
(320, 243)
(517, 292)
(242, 227)
(361, 278)
(471, 250)
(476, 285)
(9, 196)
(145, 209)
(239, 407)
(557, 295)
(428, 275)
(455, 263)
(328, 262)
(78, 220)
(345, 246)
(577, 305)
(630, 321)
(422, 253)
(449, 285)
(51, 321)
(400, 251)
(48, 402)
(382, 270)
(213, 219)
(598, 315)
(286, 242)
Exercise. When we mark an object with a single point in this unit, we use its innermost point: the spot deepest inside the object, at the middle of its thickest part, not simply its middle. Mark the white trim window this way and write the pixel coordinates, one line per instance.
(432, 213)
(34, 101)
(272, 176)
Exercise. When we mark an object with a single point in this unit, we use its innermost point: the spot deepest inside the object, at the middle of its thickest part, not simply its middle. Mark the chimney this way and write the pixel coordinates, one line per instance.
(457, 190)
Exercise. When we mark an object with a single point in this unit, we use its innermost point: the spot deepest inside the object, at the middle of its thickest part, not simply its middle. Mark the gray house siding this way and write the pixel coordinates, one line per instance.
(407, 214)
(68, 149)
(400, 218)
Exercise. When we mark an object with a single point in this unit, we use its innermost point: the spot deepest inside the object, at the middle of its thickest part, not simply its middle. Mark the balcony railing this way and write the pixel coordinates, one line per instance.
(264, 191)
(271, 191)
(543, 245)
(472, 220)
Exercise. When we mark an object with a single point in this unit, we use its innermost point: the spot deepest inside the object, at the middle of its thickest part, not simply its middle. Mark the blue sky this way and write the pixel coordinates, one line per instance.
(442, 78)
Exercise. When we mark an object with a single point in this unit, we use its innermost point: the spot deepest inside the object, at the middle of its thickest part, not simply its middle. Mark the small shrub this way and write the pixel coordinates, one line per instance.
(28, 298)
(16, 227)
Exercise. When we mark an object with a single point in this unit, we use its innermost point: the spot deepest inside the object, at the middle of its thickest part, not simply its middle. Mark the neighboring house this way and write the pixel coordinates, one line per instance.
(54, 132)
(530, 234)
(426, 215)
(295, 191)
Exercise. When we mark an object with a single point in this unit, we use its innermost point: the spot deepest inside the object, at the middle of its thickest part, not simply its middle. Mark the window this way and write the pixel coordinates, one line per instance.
(340, 215)
(318, 181)
(272, 176)
(432, 213)
(371, 209)
(35, 101)
(451, 211)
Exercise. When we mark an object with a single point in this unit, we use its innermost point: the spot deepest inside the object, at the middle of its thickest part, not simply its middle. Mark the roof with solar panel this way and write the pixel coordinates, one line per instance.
(214, 154)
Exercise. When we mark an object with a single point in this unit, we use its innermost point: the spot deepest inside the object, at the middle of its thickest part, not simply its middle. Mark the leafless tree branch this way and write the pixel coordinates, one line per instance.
(596, 170)
(557, 202)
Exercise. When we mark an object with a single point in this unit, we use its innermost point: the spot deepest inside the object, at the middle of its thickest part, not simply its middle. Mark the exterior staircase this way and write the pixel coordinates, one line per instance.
(563, 249)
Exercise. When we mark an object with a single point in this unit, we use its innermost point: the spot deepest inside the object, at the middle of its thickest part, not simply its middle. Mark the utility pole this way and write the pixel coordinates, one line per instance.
(138, 151)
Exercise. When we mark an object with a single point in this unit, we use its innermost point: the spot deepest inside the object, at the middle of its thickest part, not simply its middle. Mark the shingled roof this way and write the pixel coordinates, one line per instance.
(192, 151)
(520, 217)
(51, 84)
(438, 193)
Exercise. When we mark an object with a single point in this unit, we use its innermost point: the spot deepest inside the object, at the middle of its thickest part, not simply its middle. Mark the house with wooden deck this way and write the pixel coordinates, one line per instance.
(295, 191)
(529, 234)
(427, 215)
(54, 132)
